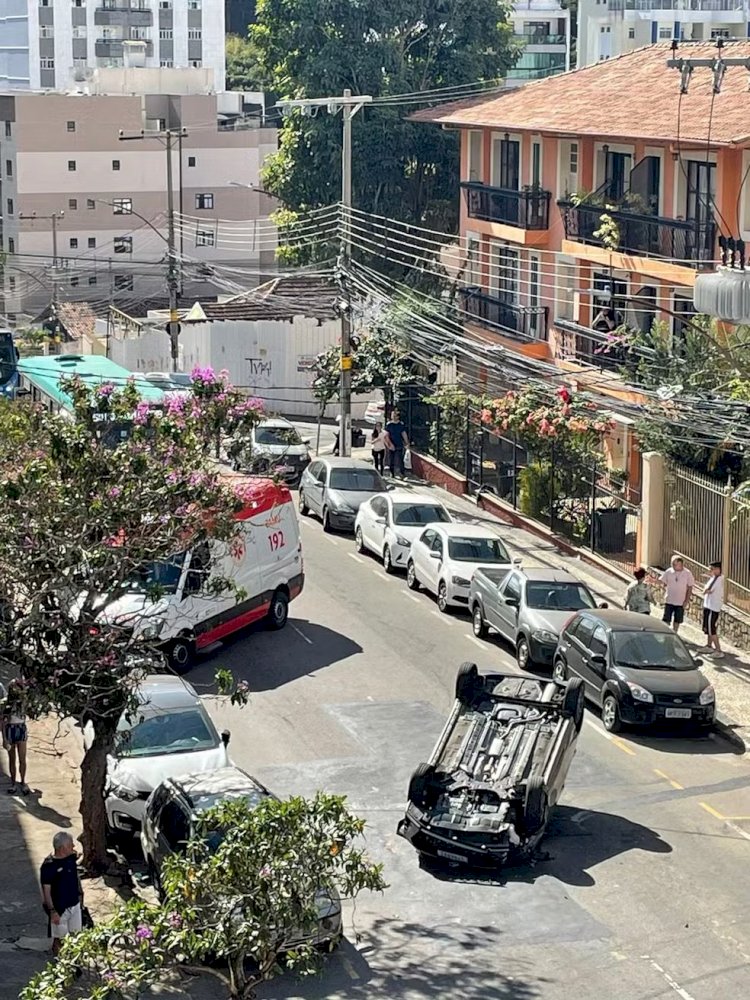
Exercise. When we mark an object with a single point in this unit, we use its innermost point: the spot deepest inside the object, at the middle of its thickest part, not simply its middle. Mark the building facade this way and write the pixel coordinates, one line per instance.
(50, 44)
(542, 28)
(84, 213)
(607, 28)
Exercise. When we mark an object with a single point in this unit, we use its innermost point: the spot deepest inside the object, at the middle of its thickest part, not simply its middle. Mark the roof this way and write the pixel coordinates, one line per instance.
(626, 620)
(164, 691)
(46, 371)
(458, 530)
(205, 788)
(345, 463)
(635, 94)
(282, 298)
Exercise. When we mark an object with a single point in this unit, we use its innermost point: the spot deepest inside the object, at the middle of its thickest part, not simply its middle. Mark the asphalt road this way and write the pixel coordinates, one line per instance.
(644, 893)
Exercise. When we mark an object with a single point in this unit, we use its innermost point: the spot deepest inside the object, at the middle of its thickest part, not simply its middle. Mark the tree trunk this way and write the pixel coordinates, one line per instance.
(93, 813)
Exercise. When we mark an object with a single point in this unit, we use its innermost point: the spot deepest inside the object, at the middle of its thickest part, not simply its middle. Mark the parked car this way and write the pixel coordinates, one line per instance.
(444, 558)
(168, 734)
(389, 523)
(170, 822)
(635, 668)
(170, 381)
(334, 488)
(274, 447)
(528, 607)
(497, 769)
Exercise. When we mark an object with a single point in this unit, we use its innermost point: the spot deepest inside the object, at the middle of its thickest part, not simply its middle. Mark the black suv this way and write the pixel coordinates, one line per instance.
(635, 668)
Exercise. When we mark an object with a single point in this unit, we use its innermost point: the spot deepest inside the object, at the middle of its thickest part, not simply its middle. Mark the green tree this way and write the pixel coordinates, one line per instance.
(316, 48)
(249, 880)
(80, 522)
(243, 67)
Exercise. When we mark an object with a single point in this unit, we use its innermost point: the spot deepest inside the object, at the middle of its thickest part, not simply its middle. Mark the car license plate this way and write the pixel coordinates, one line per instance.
(451, 857)
(679, 713)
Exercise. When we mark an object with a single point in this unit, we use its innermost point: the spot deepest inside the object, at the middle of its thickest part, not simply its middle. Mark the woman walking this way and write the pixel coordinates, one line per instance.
(639, 597)
(378, 446)
(15, 735)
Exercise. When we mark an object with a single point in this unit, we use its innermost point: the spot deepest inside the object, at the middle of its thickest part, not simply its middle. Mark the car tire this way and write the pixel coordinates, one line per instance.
(466, 682)
(359, 541)
(523, 653)
(559, 671)
(411, 576)
(419, 782)
(301, 505)
(388, 561)
(181, 654)
(442, 598)
(611, 714)
(326, 521)
(573, 701)
(278, 611)
(535, 806)
(478, 624)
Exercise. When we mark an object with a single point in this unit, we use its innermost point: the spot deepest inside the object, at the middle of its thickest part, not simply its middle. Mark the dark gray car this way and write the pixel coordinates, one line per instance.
(333, 488)
(528, 607)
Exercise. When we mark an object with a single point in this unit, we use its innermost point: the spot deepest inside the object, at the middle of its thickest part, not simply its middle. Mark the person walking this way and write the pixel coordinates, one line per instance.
(397, 441)
(15, 736)
(62, 893)
(678, 582)
(377, 443)
(639, 597)
(713, 599)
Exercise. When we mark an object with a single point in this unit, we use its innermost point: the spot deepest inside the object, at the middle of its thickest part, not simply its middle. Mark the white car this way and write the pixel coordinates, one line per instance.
(444, 558)
(169, 734)
(389, 523)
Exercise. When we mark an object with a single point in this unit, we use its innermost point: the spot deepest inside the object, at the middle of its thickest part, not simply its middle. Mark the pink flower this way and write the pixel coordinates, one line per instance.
(175, 921)
(486, 416)
(144, 933)
(564, 394)
(114, 492)
(105, 390)
(142, 411)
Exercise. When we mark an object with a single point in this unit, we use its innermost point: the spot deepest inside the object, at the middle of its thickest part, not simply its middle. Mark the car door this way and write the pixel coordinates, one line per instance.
(379, 523)
(173, 830)
(593, 669)
(150, 826)
(420, 553)
(317, 488)
(506, 610)
(310, 485)
(365, 519)
(578, 651)
(434, 562)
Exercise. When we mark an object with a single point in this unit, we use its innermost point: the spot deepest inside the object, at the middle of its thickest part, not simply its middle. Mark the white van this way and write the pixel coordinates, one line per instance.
(264, 566)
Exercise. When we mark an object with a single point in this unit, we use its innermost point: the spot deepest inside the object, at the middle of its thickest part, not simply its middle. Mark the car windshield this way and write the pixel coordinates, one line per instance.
(283, 436)
(161, 382)
(178, 731)
(205, 802)
(181, 379)
(651, 650)
(163, 577)
(549, 596)
(478, 550)
(356, 481)
(419, 513)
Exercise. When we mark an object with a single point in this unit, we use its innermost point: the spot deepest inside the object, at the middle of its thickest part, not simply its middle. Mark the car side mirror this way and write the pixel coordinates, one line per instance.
(698, 661)
(306, 441)
(512, 602)
(225, 737)
(380, 520)
(435, 555)
(598, 660)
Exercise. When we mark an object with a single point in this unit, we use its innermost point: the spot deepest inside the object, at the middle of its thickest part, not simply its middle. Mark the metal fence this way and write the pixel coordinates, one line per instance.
(704, 521)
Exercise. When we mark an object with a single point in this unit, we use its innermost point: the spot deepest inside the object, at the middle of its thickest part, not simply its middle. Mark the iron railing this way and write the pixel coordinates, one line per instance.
(534, 72)
(527, 209)
(698, 5)
(526, 321)
(541, 38)
(651, 235)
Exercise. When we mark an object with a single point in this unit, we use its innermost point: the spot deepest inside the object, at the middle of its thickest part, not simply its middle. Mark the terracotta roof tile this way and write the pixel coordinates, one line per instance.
(635, 94)
(282, 298)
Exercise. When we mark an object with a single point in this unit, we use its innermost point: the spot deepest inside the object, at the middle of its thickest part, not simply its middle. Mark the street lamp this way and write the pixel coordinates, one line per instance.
(250, 187)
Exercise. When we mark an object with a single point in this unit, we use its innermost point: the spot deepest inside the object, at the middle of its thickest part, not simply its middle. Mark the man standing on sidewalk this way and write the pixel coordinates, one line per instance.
(61, 889)
(397, 440)
(679, 583)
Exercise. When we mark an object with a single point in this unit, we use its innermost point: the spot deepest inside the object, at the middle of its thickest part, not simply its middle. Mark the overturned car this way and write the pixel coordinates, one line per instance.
(498, 768)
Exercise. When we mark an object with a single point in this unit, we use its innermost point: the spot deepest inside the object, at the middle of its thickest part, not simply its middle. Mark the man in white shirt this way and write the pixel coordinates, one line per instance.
(713, 598)
(679, 583)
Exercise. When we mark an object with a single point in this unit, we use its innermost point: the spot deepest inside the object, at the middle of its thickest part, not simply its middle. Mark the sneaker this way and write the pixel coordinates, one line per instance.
(716, 655)
(25, 790)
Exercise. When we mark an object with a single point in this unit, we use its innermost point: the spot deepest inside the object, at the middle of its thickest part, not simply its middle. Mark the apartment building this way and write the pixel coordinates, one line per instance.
(84, 213)
(607, 28)
(50, 44)
(542, 29)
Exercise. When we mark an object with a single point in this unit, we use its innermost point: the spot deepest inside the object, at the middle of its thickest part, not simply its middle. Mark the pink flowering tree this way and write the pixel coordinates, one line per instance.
(89, 505)
(254, 881)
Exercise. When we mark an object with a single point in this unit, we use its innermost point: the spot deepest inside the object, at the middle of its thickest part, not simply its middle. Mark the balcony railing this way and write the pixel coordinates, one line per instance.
(135, 17)
(107, 48)
(527, 209)
(697, 5)
(650, 235)
(534, 72)
(532, 38)
(526, 321)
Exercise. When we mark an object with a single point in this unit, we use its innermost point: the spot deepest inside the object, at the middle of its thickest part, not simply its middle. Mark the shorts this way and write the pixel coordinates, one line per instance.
(673, 612)
(710, 621)
(16, 732)
(71, 921)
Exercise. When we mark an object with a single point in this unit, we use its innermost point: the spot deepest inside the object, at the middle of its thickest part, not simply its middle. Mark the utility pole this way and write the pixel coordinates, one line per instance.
(349, 106)
(168, 136)
(53, 219)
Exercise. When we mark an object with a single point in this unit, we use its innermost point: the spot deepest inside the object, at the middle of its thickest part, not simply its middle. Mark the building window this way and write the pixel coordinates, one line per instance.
(122, 206)
(46, 31)
(196, 63)
(140, 34)
(165, 4)
(12, 284)
(573, 166)
(9, 205)
(79, 31)
(631, 32)
(165, 34)
(123, 244)
(72, 204)
(195, 34)
(166, 63)
(90, 203)
(11, 245)
(47, 63)
(71, 165)
(476, 147)
(204, 201)
(123, 282)
(92, 242)
(79, 3)
(7, 130)
(73, 243)
(205, 238)
(45, 3)
(9, 168)
(70, 126)
(92, 280)
(665, 32)
(194, 4)
(720, 33)
(191, 161)
(74, 282)
(115, 164)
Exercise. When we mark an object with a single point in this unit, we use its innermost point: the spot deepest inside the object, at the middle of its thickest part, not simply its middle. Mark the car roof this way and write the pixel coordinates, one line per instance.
(165, 691)
(222, 783)
(460, 530)
(347, 463)
(626, 621)
(275, 422)
(406, 496)
(542, 575)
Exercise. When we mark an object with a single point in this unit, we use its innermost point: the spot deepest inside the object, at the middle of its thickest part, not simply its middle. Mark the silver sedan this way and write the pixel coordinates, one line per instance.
(333, 488)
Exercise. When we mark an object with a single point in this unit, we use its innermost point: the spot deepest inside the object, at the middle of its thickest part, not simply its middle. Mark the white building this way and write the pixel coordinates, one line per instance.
(543, 28)
(607, 28)
(47, 44)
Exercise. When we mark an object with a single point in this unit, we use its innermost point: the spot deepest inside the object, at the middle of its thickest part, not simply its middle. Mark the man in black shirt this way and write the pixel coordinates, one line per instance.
(61, 889)
(397, 440)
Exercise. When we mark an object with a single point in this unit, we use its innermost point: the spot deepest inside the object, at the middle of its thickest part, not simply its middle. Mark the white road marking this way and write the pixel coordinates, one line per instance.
(614, 740)
(383, 576)
(413, 597)
(476, 641)
(355, 557)
(302, 635)
(597, 729)
(333, 542)
(670, 980)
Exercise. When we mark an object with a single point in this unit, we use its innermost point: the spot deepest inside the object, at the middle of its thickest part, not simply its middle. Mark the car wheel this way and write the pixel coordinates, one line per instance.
(523, 653)
(478, 624)
(466, 682)
(573, 701)
(388, 561)
(559, 672)
(326, 521)
(301, 505)
(535, 807)
(611, 714)
(419, 782)
(411, 577)
(278, 611)
(442, 598)
(181, 653)
(359, 541)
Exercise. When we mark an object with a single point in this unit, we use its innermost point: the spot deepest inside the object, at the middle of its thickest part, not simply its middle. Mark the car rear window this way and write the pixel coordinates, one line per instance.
(557, 596)
(356, 481)
(418, 513)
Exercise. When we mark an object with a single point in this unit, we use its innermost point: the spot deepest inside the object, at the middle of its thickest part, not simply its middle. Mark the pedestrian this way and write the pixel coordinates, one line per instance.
(639, 597)
(397, 441)
(713, 598)
(15, 736)
(679, 583)
(377, 443)
(62, 893)
(337, 439)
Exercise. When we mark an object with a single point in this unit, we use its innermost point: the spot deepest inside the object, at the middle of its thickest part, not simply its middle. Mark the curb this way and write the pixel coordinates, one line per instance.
(727, 728)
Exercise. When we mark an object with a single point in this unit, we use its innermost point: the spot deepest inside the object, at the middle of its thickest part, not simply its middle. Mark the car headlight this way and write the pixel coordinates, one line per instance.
(403, 542)
(343, 508)
(708, 695)
(544, 635)
(639, 693)
(459, 581)
(152, 630)
(118, 791)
